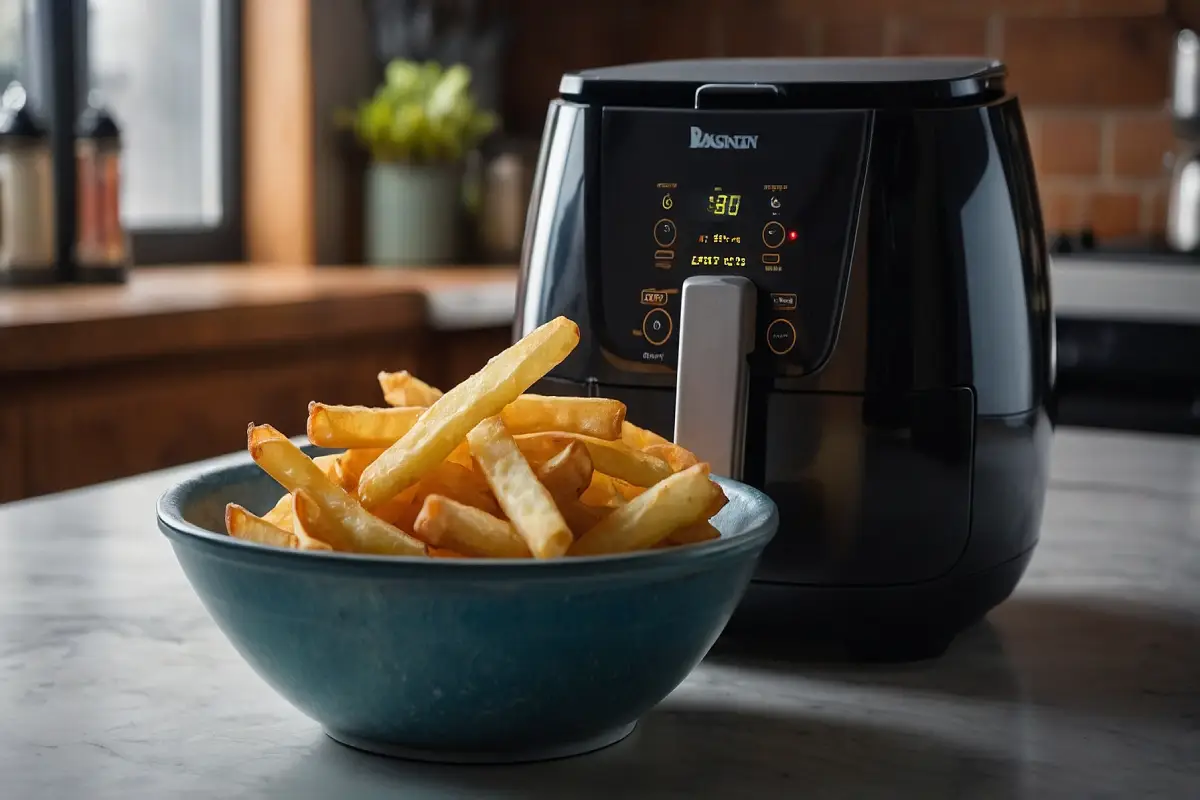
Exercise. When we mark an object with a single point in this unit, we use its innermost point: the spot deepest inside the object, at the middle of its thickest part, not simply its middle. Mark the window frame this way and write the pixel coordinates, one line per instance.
(220, 243)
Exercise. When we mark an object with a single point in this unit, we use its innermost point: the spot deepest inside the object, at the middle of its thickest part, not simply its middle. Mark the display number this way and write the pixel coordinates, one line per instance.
(724, 205)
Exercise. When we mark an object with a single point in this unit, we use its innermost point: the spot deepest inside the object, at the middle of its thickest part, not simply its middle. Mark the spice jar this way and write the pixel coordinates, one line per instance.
(101, 244)
(26, 193)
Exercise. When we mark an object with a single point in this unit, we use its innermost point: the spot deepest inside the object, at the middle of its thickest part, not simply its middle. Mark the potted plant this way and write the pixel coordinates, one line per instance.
(417, 129)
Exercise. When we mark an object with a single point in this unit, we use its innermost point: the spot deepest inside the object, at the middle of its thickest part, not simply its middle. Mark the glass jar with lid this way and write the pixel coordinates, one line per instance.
(26, 193)
(101, 243)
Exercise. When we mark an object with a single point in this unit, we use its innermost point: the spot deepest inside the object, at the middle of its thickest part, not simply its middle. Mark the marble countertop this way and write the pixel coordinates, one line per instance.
(114, 683)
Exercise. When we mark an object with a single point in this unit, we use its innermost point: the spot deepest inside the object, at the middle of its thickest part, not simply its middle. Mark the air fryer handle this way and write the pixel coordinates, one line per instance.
(716, 334)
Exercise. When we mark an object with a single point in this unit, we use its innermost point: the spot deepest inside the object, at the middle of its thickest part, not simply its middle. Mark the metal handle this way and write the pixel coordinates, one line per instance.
(716, 333)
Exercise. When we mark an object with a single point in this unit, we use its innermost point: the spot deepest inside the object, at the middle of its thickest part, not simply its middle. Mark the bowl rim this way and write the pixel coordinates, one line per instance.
(179, 530)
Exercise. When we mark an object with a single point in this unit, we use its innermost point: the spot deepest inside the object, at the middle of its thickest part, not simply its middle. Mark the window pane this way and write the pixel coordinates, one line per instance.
(12, 27)
(156, 65)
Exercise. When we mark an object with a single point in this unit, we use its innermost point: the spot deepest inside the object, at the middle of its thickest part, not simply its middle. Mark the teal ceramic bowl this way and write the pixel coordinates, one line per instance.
(463, 660)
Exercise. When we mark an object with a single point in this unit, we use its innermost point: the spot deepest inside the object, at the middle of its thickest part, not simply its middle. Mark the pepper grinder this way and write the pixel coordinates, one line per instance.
(101, 242)
(26, 194)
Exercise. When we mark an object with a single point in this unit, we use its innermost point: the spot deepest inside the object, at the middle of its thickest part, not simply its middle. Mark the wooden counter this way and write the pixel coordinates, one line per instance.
(99, 382)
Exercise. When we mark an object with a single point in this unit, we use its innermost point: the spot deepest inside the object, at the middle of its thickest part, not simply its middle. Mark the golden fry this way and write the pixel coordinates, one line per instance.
(241, 524)
(404, 389)
(702, 531)
(446, 523)
(581, 517)
(461, 455)
(359, 426)
(448, 479)
(308, 523)
(442, 552)
(718, 502)
(460, 484)
(328, 465)
(677, 458)
(527, 503)
(567, 473)
(636, 438)
(644, 521)
(350, 527)
(352, 462)
(281, 515)
(614, 459)
(454, 414)
(590, 416)
(606, 492)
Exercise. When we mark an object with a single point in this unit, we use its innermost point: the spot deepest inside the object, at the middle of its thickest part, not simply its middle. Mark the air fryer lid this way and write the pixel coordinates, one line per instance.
(811, 83)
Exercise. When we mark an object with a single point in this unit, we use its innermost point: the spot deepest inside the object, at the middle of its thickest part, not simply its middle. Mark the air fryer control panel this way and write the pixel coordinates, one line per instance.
(769, 195)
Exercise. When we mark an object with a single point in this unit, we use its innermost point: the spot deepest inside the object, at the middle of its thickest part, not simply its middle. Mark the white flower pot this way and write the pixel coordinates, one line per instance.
(411, 214)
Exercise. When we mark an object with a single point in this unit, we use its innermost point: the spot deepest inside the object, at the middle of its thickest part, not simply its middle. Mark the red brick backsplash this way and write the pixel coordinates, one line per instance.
(1067, 144)
(1140, 144)
(1092, 75)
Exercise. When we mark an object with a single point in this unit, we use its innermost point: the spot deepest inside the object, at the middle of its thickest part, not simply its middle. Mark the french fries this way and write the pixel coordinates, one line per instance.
(241, 524)
(359, 426)
(527, 503)
(636, 438)
(702, 531)
(567, 473)
(482, 470)
(676, 457)
(308, 525)
(447, 523)
(348, 526)
(454, 414)
(448, 479)
(590, 416)
(281, 515)
(350, 465)
(606, 492)
(614, 459)
(581, 517)
(403, 389)
(652, 516)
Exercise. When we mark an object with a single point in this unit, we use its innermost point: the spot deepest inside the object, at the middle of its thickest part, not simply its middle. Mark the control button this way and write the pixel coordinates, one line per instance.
(664, 232)
(781, 337)
(782, 301)
(667, 202)
(657, 326)
(775, 202)
(770, 258)
(773, 234)
(664, 255)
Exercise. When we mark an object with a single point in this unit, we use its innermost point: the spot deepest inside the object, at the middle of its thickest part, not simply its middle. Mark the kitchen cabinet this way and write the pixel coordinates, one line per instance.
(98, 383)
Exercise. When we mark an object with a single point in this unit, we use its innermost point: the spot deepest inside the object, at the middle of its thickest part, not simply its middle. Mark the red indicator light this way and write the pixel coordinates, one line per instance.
(792, 235)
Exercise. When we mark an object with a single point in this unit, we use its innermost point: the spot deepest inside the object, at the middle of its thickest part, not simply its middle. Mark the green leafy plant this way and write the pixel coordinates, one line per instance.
(421, 114)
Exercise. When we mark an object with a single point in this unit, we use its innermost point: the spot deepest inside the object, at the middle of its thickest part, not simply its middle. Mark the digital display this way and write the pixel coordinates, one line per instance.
(722, 203)
(718, 249)
(707, 260)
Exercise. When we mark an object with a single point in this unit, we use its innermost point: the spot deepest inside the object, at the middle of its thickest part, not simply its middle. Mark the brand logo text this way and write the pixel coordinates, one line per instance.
(722, 141)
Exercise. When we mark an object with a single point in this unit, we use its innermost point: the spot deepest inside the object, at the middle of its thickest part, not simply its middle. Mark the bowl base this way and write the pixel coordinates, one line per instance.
(564, 750)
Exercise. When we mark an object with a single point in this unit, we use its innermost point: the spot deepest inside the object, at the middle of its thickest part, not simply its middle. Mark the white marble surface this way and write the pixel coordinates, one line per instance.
(115, 684)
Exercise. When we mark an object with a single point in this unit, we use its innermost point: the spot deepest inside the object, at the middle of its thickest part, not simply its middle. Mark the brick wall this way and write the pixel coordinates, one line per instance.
(1092, 75)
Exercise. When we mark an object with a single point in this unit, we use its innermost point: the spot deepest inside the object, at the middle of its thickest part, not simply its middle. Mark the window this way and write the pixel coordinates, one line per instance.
(169, 71)
(11, 49)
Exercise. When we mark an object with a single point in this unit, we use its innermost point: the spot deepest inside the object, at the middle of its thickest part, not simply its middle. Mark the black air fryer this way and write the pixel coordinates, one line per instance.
(829, 279)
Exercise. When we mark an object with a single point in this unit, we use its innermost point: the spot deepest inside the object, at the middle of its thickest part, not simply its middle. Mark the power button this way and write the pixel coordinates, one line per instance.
(781, 337)
(657, 326)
